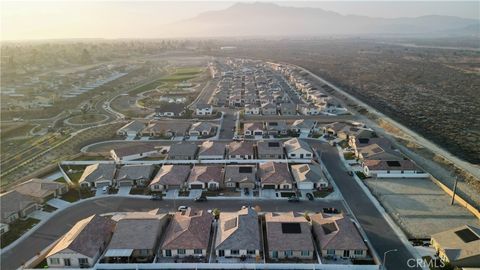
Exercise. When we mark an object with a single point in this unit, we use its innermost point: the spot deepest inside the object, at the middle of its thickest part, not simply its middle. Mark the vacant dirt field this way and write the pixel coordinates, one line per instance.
(419, 206)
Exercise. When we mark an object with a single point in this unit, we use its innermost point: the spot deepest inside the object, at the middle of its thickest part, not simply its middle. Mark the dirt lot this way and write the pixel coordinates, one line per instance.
(419, 206)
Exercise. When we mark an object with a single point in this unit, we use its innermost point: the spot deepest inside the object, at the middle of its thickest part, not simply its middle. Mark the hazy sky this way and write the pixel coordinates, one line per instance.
(139, 19)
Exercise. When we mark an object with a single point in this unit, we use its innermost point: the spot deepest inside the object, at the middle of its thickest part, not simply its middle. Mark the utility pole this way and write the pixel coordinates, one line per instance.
(454, 190)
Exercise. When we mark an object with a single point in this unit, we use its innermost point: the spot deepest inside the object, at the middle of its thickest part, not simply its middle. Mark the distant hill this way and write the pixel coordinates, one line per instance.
(267, 19)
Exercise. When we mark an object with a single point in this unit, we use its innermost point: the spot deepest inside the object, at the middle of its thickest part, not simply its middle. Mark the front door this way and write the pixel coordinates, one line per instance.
(221, 253)
(346, 253)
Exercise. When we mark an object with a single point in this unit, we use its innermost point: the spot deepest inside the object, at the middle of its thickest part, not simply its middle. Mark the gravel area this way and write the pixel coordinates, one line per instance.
(419, 206)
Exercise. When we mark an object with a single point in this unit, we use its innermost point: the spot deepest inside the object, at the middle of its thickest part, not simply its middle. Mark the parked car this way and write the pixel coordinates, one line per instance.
(105, 190)
(294, 199)
(182, 208)
(309, 196)
(156, 197)
(201, 199)
(350, 173)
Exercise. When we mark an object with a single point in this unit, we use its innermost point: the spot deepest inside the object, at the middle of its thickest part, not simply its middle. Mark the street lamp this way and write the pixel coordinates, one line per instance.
(385, 257)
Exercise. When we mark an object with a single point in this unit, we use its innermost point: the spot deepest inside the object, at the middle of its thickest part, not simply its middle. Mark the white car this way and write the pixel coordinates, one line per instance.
(182, 208)
(105, 189)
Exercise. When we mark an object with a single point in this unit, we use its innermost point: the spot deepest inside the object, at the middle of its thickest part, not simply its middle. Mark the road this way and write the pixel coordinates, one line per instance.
(378, 231)
(63, 221)
(318, 118)
(228, 127)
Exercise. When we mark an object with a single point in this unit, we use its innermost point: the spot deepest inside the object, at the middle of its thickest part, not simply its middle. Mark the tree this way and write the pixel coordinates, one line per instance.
(306, 215)
(216, 213)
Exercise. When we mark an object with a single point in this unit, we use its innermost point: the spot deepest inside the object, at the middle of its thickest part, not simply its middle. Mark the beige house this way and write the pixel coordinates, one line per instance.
(42, 190)
(170, 177)
(15, 205)
(98, 175)
(240, 176)
(203, 177)
(459, 246)
(274, 175)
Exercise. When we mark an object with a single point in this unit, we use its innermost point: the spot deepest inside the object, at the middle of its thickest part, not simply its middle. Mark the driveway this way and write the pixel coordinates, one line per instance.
(58, 203)
(124, 190)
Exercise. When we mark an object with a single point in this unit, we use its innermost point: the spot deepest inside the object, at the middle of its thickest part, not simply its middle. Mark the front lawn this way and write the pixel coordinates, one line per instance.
(349, 155)
(75, 194)
(17, 229)
(321, 193)
(139, 191)
(48, 208)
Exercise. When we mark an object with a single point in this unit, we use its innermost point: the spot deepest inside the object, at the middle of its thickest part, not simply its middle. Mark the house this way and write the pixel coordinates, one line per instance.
(203, 177)
(202, 129)
(183, 151)
(133, 152)
(42, 190)
(98, 175)
(240, 150)
(238, 234)
(458, 246)
(203, 109)
(253, 129)
(309, 176)
(83, 244)
(212, 150)
(288, 109)
(392, 169)
(188, 234)
(338, 237)
(169, 110)
(274, 175)
(297, 148)
(268, 108)
(131, 129)
(276, 128)
(270, 150)
(170, 177)
(236, 100)
(165, 129)
(309, 109)
(4, 227)
(135, 239)
(15, 205)
(134, 175)
(375, 151)
(240, 176)
(252, 109)
(288, 236)
(303, 127)
(337, 129)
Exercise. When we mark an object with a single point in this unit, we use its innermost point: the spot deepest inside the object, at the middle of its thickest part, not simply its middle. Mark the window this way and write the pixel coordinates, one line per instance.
(288, 253)
(54, 261)
(308, 155)
(274, 254)
(168, 253)
(83, 261)
(234, 252)
(67, 262)
(292, 155)
(197, 251)
(221, 253)
(181, 251)
(251, 252)
(358, 252)
(330, 251)
(305, 253)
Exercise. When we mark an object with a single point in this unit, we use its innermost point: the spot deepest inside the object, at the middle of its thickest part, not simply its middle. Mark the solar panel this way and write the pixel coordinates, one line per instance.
(393, 163)
(245, 169)
(467, 235)
(273, 144)
(291, 228)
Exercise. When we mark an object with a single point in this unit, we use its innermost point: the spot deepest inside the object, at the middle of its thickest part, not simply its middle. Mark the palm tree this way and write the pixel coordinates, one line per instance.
(216, 213)
(306, 215)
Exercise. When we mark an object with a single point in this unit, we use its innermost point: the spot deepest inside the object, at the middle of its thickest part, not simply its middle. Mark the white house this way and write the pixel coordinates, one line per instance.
(131, 129)
(251, 109)
(309, 109)
(392, 169)
(203, 109)
(308, 176)
(297, 148)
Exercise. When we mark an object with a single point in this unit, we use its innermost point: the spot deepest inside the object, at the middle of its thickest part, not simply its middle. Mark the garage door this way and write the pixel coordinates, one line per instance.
(268, 186)
(258, 133)
(101, 184)
(196, 186)
(125, 183)
(30, 209)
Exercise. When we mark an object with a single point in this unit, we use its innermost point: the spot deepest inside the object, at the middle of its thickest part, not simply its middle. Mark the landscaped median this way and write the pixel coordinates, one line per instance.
(17, 229)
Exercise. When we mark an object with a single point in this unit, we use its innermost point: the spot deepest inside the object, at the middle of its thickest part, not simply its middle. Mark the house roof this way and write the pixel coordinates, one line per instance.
(134, 149)
(288, 107)
(295, 144)
(274, 173)
(13, 202)
(171, 175)
(252, 126)
(337, 232)
(212, 148)
(206, 174)
(39, 188)
(134, 172)
(238, 230)
(98, 172)
(304, 123)
(188, 230)
(269, 106)
(308, 173)
(86, 237)
(240, 173)
(201, 106)
(270, 148)
(164, 127)
(390, 165)
(240, 148)
(136, 234)
(288, 231)
(276, 125)
(459, 243)
(201, 126)
(183, 149)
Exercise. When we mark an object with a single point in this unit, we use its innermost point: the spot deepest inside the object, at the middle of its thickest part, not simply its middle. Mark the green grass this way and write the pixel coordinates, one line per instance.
(189, 71)
(89, 157)
(321, 193)
(60, 180)
(73, 194)
(43, 264)
(177, 78)
(48, 208)
(17, 229)
(139, 191)
(349, 155)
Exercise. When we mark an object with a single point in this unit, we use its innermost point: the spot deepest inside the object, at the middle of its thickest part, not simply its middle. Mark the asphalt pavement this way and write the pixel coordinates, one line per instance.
(51, 230)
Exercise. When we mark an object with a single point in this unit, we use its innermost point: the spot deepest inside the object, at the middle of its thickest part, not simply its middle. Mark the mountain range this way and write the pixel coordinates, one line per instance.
(269, 19)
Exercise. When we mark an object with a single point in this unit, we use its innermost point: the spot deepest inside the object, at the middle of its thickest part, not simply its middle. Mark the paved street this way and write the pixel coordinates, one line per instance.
(378, 231)
(228, 126)
(62, 222)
